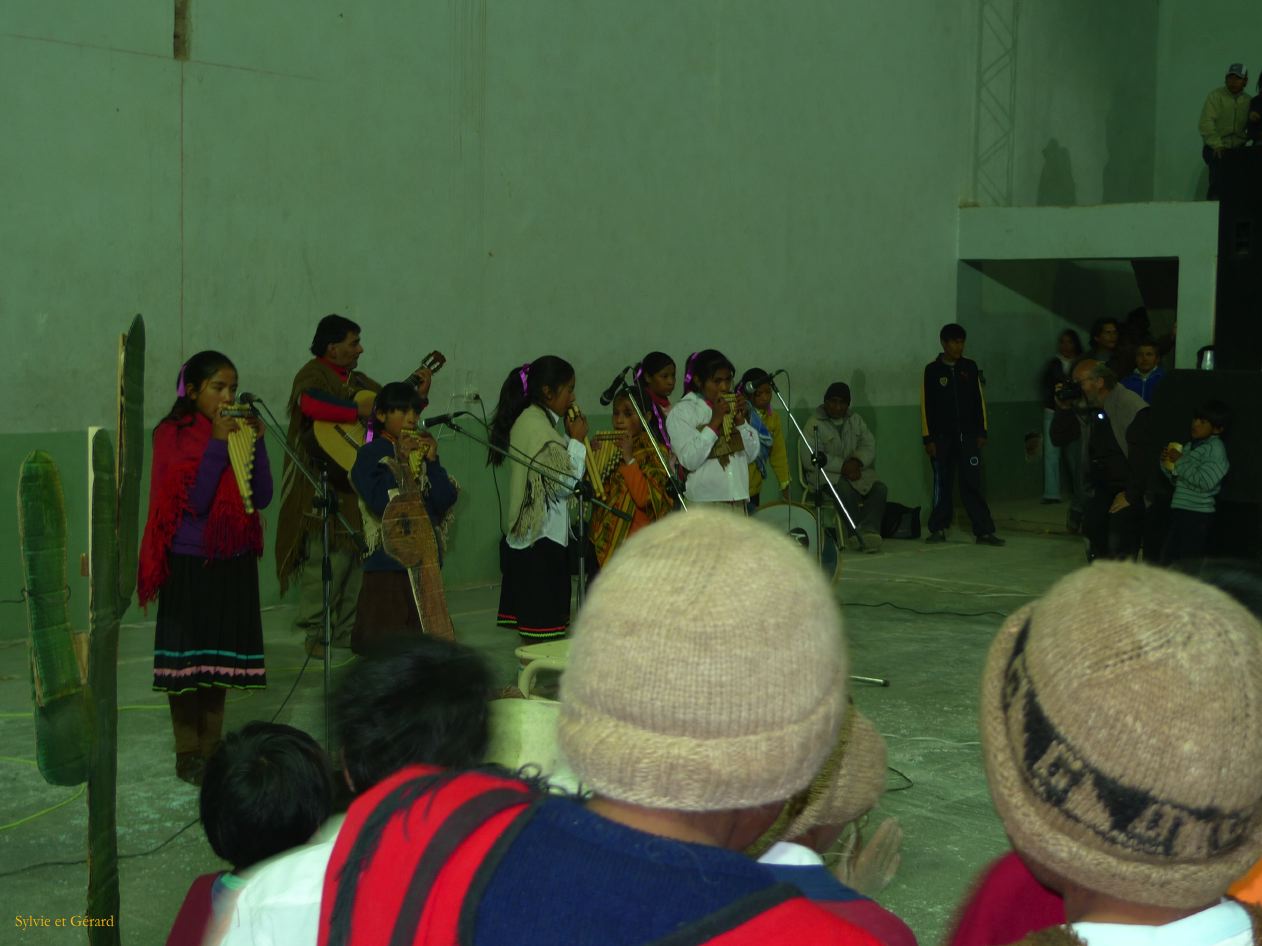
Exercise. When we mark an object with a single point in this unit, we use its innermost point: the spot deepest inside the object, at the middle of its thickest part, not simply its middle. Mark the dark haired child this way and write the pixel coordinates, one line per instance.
(1196, 470)
(422, 701)
(535, 591)
(267, 789)
(635, 484)
(387, 606)
(1148, 372)
(953, 427)
(655, 377)
(717, 465)
(199, 559)
(773, 455)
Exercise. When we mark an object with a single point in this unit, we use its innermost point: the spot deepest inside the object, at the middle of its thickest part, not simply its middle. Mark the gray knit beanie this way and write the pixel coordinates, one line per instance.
(1121, 721)
(696, 685)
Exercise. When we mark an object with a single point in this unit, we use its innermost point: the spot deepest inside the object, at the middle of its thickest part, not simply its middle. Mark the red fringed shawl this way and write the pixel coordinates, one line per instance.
(177, 453)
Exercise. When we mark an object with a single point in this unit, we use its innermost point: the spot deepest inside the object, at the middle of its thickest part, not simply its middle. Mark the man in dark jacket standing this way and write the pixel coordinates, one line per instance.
(953, 426)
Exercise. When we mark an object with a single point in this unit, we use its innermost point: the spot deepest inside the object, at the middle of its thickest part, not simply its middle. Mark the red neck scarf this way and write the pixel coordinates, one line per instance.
(178, 447)
(342, 373)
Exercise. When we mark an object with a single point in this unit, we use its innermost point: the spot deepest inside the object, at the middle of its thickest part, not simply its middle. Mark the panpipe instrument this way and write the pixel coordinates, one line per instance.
(729, 439)
(241, 451)
(729, 419)
(608, 451)
(593, 471)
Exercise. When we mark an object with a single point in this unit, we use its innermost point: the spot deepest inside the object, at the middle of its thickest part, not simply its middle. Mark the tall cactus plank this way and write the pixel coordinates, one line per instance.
(61, 725)
(103, 608)
(131, 454)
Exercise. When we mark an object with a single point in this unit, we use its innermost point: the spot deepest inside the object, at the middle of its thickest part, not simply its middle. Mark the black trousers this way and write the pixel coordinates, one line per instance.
(1114, 535)
(1188, 536)
(966, 460)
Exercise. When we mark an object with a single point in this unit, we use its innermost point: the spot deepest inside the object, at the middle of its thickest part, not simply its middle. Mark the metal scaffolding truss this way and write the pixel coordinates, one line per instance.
(993, 145)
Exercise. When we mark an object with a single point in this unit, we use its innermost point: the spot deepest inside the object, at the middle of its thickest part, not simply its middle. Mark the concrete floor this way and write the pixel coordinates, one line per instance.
(920, 615)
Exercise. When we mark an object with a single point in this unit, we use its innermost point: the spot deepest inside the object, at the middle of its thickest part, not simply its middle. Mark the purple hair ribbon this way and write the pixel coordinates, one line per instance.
(180, 389)
(524, 374)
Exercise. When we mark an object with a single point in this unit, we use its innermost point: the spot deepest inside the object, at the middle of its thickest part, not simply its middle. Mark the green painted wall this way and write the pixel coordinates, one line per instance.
(498, 180)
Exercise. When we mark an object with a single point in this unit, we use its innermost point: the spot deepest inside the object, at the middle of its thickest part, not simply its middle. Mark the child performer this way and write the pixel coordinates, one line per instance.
(655, 376)
(535, 591)
(637, 485)
(199, 558)
(1197, 471)
(386, 609)
(777, 455)
(718, 467)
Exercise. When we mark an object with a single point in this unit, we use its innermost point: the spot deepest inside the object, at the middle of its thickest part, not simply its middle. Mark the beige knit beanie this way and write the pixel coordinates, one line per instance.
(707, 670)
(851, 781)
(1121, 720)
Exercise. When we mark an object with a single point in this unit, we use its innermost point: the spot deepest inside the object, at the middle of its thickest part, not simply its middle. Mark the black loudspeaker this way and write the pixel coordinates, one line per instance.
(1238, 522)
(1238, 325)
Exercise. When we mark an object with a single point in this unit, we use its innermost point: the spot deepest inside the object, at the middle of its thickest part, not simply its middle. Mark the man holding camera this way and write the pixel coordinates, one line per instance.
(1120, 455)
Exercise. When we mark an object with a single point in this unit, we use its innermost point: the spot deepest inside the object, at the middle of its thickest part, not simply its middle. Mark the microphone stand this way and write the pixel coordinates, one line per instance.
(676, 487)
(580, 489)
(326, 504)
(816, 461)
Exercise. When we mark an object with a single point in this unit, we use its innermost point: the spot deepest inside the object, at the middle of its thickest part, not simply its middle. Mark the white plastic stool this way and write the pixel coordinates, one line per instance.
(550, 655)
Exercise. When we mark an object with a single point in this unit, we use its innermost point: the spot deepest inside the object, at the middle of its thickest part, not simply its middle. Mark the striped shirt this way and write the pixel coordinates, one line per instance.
(1198, 474)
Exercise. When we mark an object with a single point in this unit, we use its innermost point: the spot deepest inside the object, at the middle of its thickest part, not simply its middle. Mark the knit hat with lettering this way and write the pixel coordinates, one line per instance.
(1121, 719)
(695, 684)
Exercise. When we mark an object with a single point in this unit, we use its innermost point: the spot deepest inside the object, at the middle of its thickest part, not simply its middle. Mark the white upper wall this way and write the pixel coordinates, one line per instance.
(503, 179)
(1085, 102)
(1196, 41)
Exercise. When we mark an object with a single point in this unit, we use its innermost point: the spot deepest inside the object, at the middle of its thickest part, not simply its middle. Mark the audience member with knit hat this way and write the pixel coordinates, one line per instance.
(1122, 737)
(686, 768)
(846, 789)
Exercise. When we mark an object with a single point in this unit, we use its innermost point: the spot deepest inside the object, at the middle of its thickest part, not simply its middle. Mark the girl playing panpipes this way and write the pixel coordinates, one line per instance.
(717, 463)
(535, 592)
(636, 484)
(199, 559)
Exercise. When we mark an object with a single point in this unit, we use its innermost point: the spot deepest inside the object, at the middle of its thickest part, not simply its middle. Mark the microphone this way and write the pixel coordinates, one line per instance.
(748, 388)
(247, 398)
(607, 397)
(440, 420)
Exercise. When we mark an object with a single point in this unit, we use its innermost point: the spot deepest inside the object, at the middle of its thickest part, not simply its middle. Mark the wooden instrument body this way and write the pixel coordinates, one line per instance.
(407, 534)
(340, 440)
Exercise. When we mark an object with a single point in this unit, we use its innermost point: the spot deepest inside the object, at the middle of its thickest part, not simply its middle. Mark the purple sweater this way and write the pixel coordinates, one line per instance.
(188, 538)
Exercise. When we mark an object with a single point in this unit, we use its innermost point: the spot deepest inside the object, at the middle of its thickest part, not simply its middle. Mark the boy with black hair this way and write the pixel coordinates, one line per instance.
(1196, 469)
(1148, 372)
(266, 789)
(423, 701)
(953, 428)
